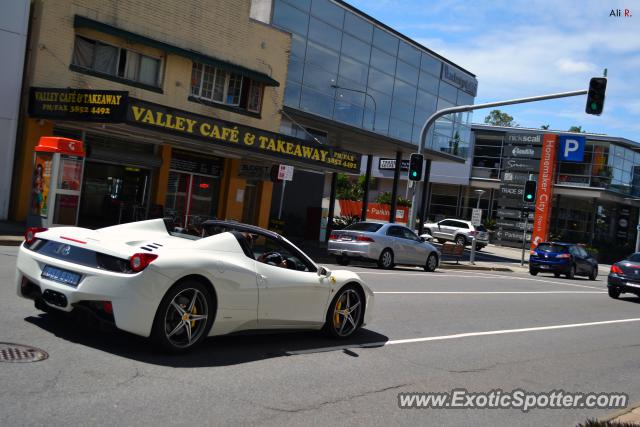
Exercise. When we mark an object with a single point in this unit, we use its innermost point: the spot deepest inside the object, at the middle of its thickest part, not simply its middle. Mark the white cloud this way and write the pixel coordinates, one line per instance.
(570, 66)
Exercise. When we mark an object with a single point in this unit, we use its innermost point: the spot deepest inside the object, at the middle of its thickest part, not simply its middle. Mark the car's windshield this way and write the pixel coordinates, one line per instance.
(550, 247)
(371, 227)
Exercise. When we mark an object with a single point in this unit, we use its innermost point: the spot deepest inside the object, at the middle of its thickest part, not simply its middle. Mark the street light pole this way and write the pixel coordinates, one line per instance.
(466, 108)
(479, 193)
(375, 106)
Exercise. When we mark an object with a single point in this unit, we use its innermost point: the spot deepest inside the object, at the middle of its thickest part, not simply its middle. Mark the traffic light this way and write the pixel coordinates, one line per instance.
(595, 97)
(529, 194)
(415, 167)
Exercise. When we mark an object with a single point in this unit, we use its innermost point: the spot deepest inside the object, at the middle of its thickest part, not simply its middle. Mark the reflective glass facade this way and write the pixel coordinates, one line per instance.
(384, 84)
(605, 165)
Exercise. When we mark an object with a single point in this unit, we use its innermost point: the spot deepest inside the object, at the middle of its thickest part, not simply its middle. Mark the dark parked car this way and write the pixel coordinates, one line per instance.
(625, 276)
(562, 258)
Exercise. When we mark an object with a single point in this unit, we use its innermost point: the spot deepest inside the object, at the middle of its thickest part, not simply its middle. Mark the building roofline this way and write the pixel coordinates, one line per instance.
(400, 35)
(590, 136)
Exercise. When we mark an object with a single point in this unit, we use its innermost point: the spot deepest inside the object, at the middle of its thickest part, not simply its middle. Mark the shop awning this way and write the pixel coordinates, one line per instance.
(83, 22)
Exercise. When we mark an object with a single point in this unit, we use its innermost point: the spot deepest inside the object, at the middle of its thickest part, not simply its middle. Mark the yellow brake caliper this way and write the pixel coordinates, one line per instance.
(194, 311)
(336, 317)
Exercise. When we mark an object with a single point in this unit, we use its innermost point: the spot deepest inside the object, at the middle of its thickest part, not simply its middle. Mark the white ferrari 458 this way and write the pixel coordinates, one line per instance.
(178, 289)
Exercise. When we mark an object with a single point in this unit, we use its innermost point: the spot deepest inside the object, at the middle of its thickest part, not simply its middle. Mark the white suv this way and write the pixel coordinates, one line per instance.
(458, 231)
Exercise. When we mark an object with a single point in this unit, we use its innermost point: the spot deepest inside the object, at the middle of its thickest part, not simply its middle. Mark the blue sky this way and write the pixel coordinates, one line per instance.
(522, 48)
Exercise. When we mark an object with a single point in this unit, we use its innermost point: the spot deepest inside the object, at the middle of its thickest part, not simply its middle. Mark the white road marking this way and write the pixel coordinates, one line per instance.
(490, 292)
(510, 331)
(531, 279)
(483, 275)
(463, 335)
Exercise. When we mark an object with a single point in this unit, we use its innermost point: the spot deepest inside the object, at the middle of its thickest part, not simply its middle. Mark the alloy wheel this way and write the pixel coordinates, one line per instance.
(347, 312)
(185, 319)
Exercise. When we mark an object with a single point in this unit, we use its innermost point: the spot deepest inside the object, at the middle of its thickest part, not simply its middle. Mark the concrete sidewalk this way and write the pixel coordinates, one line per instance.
(11, 233)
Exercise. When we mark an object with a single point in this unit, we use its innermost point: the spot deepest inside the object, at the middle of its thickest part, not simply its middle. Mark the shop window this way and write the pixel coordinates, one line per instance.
(218, 86)
(99, 57)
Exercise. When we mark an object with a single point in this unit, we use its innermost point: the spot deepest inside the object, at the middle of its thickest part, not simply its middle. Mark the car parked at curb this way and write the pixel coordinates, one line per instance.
(562, 258)
(624, 277)
(385, 244)
(459, 231)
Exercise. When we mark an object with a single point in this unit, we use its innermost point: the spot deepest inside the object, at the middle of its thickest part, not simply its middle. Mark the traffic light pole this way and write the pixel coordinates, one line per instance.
(466, 108)
(524, 238)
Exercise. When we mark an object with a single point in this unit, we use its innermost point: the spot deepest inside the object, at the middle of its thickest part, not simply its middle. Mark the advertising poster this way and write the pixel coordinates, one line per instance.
(41, 184)
(70, 173)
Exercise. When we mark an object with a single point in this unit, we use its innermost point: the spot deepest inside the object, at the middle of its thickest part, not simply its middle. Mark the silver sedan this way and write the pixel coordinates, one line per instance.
(386, 244)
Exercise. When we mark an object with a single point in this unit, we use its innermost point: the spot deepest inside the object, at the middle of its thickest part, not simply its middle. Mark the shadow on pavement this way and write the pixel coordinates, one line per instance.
(215, 351)
(634, 299)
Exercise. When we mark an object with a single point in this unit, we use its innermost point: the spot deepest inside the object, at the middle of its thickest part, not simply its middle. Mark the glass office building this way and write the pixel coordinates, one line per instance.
(347, 67)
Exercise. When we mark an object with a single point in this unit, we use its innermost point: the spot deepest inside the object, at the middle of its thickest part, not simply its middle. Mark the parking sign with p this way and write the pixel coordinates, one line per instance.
(572, 148)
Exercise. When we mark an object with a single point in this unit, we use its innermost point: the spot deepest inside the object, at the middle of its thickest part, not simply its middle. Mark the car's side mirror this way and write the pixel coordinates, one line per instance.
(422, 239)
(323, 272)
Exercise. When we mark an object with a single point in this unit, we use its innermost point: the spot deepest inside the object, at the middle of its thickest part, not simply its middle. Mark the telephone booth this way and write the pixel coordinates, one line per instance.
(57, 182)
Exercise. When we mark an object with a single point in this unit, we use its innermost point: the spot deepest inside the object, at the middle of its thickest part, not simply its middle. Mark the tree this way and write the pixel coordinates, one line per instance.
(545, 127)
(498, 118)
(577, 129)
(454, 144)
(351, 189)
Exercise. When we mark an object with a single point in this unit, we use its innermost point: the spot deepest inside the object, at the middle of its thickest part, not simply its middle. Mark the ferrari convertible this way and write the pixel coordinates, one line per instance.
(148, 279)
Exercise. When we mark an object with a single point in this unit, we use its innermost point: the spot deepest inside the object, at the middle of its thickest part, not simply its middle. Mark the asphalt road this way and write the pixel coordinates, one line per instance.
(413, 345)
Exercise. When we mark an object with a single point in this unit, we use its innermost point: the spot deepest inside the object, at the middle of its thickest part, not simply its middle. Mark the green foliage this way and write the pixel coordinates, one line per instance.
(385, 199)
(489, 223)
(498, 118)
(351, 188)
(577, 129)
(454, 144)
(340, 222)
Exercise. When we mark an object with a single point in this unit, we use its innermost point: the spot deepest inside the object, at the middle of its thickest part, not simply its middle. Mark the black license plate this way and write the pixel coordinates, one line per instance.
(61, 276)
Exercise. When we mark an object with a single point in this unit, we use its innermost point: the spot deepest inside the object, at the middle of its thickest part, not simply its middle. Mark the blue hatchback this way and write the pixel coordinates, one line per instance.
(562, 258)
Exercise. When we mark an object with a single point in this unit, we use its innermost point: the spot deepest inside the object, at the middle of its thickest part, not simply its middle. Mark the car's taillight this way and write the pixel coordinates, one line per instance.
(139, 262)
(30, 234)
(333, 236)
(563, 256)
(616, 270)
(473, 233)
(364, 239)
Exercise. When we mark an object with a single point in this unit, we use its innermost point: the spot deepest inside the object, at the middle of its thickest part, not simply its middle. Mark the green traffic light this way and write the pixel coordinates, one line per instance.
(594, 106)
(529, 196)
(414, 173)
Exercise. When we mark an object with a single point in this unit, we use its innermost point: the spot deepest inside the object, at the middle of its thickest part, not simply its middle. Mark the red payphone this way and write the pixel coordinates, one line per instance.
(57, 181)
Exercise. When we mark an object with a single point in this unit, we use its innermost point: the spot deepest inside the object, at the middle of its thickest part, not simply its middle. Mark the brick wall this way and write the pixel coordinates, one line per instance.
(220, 28)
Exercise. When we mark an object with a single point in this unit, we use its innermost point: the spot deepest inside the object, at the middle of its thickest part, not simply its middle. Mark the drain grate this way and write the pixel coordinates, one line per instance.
(18, 353)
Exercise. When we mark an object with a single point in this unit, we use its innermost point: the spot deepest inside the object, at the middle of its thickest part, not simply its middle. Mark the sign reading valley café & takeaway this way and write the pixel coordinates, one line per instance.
(149, 115)
(117, 107)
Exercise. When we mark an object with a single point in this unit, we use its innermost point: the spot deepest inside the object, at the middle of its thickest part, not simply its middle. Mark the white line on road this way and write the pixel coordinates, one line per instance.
(490, 292)
(509, 331)
(530, 279)
(463, 335)
(478, 275)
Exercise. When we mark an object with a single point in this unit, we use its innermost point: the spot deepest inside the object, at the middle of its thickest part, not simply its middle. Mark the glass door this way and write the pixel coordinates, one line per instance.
(190, 198)
(200, 200)
(176, 203)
